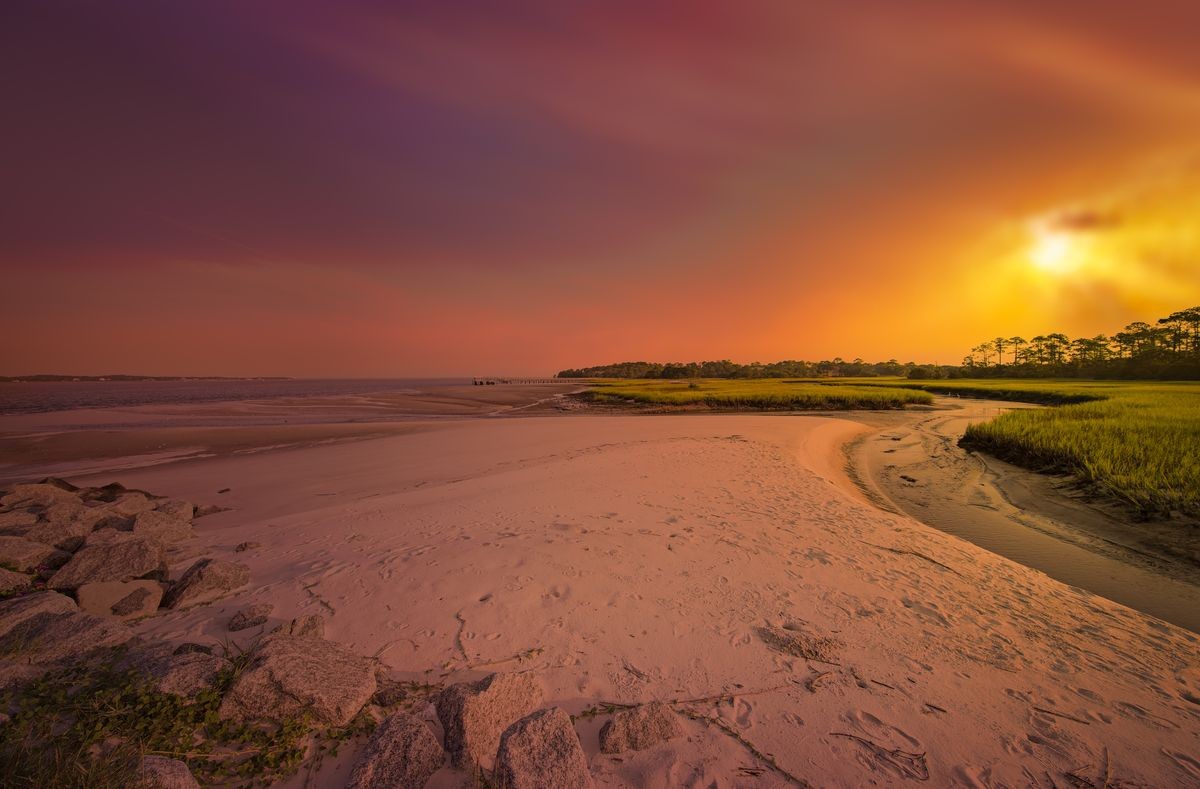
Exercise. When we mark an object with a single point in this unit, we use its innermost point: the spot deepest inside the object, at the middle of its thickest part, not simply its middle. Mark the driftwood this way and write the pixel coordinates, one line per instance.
(906, 552)
(909, 765)
(1062, 715)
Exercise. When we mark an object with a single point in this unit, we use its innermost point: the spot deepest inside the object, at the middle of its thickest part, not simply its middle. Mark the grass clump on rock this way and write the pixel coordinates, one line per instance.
(89, 726)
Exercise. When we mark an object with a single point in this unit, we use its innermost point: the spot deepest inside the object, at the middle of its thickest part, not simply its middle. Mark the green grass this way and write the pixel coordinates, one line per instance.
(765, 394)
(1135, 441)
(89, 725)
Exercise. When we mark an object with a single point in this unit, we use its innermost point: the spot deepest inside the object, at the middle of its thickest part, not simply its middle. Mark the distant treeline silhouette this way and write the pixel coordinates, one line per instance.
(1168, 349)
(724, 368)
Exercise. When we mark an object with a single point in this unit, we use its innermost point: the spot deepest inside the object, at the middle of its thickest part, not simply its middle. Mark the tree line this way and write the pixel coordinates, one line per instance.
(724, 368)
(1167, 349)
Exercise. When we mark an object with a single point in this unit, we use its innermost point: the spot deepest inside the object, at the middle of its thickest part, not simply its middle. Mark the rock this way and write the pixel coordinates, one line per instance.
(130, 504)
(123, 599)
(290, 674)
(159, 772)
(307, 626)
(180, 673)
(14, 673)
(176, 507)
(14, 613)
(249, 545)
(163, 527)
(49, 637)
(65, 525)
(542, 751)
(109, 555)
(17, 522)
(205, 581)
(640, 728)
(11, 582)
(59, 482)
(208, 509)
(191, 646)
(22, 555)
(401, 754)
(36, 494)
(474, 715)
(250, 616)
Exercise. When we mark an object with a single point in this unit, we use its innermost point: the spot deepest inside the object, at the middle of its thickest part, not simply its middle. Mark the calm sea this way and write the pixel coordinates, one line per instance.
(32, 397)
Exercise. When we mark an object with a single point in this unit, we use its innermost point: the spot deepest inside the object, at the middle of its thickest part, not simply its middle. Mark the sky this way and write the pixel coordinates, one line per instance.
(455, 188)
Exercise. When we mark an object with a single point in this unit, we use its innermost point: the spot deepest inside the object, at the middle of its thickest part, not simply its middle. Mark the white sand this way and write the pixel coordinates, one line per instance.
(640, 555)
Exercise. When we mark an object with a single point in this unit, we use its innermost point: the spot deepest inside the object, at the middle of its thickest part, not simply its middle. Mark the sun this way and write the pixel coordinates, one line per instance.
(1054, 251)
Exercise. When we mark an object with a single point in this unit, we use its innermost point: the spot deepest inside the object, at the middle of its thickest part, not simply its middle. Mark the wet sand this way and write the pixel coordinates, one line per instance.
(83, 441)
(910, 462)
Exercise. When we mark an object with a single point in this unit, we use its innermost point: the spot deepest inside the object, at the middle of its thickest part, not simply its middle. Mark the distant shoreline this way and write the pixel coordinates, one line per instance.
(41, 378)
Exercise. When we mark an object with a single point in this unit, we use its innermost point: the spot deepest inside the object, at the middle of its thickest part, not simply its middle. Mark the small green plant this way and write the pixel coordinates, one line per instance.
(88, 726)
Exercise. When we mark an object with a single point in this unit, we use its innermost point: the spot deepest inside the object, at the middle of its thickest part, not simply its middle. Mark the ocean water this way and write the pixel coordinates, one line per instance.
(42, 396)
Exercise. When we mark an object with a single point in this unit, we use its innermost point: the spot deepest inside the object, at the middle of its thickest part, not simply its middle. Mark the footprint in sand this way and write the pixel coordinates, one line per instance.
(1188, 764)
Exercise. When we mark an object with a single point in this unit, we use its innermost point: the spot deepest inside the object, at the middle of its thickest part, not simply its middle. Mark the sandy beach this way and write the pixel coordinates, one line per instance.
(723, 563)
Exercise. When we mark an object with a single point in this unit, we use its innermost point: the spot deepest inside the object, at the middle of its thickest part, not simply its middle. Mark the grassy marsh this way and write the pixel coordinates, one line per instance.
(758, 394)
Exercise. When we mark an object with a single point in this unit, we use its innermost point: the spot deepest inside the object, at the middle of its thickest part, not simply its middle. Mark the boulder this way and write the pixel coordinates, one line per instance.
(17, 522)
(640, 728)
(36, 494)
(109, 555)
(177, 508)
(22, 555)
(130, 504)
(107, 493)
(15, 613)
(542, 751)
(250, 616)
(65, 525)
(287, 675)
(309, 626)
(159, 772)
(11, 582)
(181, 673)
(401, 754)
(122, 599)
(205, 581)
(49, 638)
(162, 526)
(475, 714)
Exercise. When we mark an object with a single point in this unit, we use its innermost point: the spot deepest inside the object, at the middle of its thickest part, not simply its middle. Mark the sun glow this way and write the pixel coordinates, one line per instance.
(1054, 251)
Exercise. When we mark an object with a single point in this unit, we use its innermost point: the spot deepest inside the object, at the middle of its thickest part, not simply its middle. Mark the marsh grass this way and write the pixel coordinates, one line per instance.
(1133, 441)
(766, 394)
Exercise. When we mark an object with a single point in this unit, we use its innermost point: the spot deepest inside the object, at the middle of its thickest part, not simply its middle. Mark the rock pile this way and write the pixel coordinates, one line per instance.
(69, 537)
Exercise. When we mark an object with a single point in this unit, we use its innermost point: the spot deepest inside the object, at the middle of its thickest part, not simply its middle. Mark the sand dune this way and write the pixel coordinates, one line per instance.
(721, 558)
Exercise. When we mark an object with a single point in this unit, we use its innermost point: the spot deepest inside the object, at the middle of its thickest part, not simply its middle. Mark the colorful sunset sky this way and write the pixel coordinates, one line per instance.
(455, 188)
